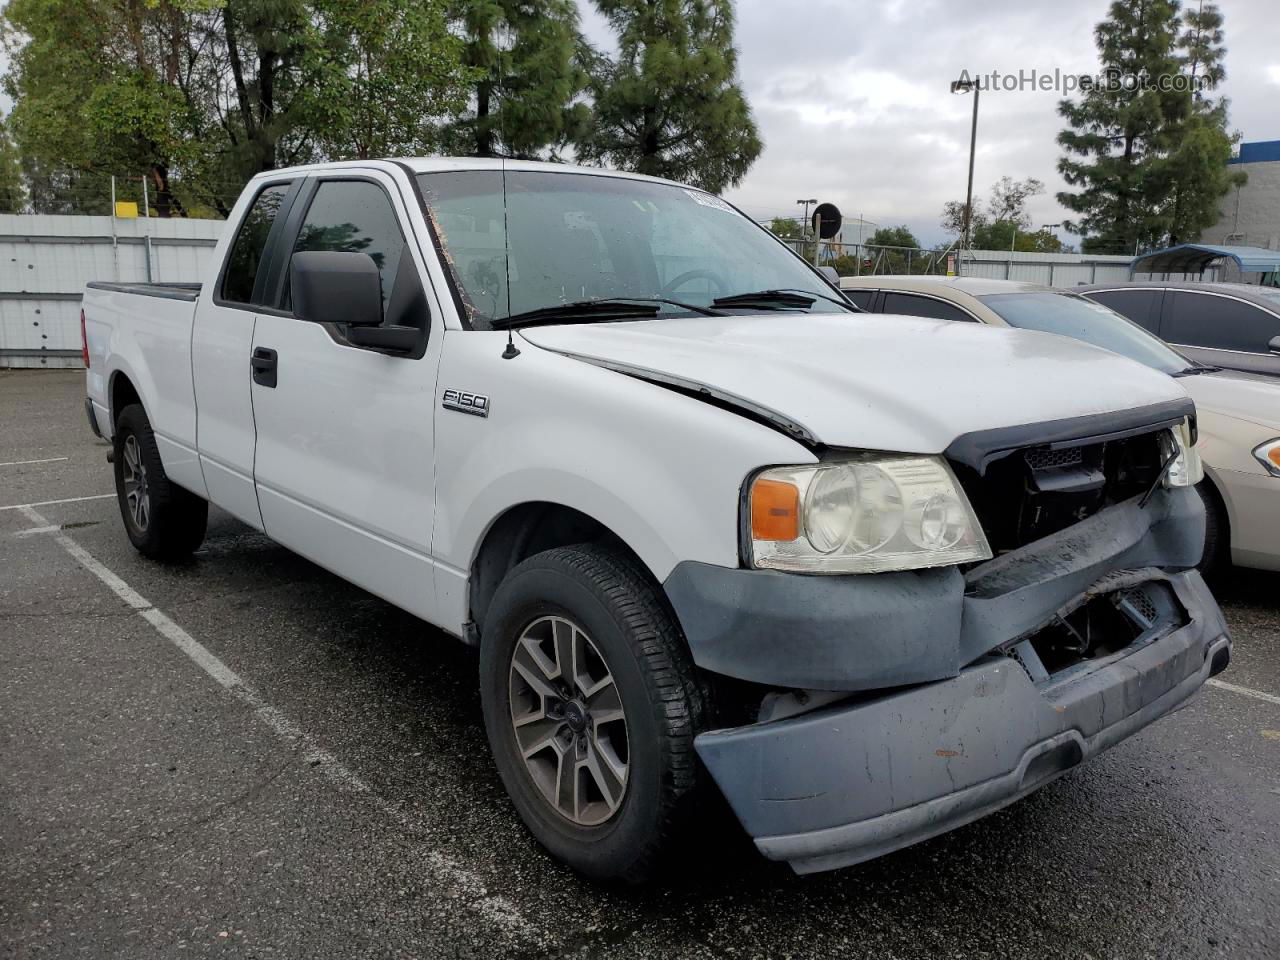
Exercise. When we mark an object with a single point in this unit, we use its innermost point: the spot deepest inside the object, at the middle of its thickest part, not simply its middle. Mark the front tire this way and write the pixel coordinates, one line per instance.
(591, 707)
(1217, 535)
(163, 521)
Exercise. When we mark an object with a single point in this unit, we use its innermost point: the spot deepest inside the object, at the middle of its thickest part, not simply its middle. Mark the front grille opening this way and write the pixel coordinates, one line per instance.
(1101, 626)
(1036, 491)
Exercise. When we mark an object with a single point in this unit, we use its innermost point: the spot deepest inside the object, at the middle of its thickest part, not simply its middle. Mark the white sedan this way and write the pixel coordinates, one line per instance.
(1239, 413)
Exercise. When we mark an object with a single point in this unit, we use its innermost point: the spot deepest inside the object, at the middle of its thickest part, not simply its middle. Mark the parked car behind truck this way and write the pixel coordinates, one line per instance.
(707, 533)
(1238, 413)
(1235, 326)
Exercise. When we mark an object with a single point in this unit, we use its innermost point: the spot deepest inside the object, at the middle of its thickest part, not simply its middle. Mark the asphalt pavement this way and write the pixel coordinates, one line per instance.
(245, 756)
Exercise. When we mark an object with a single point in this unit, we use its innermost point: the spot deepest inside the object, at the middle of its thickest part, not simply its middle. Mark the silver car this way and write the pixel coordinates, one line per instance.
(1239, 413)
(1231, 325)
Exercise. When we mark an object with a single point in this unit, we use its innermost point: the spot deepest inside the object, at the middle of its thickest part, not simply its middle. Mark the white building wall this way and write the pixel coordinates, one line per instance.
(1250, 213)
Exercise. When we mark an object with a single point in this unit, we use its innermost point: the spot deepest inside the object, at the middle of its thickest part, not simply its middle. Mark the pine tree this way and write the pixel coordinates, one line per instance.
(526, 57)
(13, 189)
(1197, 165)
(1121, 132)
(670, 104)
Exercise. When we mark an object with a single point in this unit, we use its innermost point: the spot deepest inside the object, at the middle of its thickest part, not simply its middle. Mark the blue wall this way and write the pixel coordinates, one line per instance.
(1264, 151)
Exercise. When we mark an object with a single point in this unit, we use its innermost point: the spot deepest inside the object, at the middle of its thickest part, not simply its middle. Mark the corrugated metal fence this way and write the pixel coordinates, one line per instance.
(45, 261)
(1059, 269)
(1050, 269)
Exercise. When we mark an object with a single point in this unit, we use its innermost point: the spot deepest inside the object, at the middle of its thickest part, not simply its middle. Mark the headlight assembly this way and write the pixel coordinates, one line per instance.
(864, 514)
(1186, 469)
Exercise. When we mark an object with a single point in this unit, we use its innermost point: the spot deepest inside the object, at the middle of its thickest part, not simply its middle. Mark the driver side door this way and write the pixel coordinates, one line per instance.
(344, 466)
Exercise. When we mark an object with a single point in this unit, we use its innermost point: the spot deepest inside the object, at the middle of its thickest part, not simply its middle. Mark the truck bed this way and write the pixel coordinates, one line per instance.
(169, 291)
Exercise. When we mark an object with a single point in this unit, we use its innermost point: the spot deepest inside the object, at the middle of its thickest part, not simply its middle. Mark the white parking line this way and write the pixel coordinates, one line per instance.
(50, 503)
(1244, 691)
(21, 463)
(499, 911)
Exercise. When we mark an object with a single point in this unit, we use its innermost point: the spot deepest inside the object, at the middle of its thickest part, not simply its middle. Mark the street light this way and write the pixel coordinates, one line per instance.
(962, 86)
(806, 206)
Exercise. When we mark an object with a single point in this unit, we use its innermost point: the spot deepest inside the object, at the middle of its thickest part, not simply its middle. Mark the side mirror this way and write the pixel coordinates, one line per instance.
(398, 339)
(1274, 345)
(829, 272)
(332, 287)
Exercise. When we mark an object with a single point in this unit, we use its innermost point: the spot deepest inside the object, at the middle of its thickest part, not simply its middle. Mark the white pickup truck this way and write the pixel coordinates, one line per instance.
(711, 527)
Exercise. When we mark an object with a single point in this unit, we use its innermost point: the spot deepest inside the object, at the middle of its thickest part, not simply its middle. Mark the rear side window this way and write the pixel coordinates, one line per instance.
(355, 216)
(246, 253)
(1137, 305)
(861, 298)
(1218, 323)
(914, 306)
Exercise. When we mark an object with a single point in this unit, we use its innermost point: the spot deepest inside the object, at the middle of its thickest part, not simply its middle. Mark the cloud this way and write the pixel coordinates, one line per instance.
(852, 99)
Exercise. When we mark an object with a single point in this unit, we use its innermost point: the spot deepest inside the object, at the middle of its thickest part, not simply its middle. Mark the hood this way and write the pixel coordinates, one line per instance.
(1237, 395)
(873, 381)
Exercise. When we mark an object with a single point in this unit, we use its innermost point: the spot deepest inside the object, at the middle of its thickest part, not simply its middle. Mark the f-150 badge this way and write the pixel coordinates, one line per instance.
(476, 404)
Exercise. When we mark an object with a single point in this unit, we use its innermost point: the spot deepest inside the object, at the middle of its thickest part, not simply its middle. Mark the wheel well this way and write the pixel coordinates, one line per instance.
(520, 533)
(122, 394)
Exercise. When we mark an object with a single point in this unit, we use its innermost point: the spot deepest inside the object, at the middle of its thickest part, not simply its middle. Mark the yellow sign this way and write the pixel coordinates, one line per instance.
(126, 208)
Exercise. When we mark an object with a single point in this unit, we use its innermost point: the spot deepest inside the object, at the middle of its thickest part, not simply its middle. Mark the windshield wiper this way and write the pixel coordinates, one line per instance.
(766, 299)
(789, 297)
(601, 308)
(1198, 369)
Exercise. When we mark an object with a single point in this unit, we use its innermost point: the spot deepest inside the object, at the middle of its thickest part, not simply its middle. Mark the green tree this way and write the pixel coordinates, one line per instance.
(1197, 164)
(890, 250)
(1120, 131)
(527, 75)
(899, 236)
(13, 190)
(1004, 220)
(793, 229)
(383, 75)
(199, 95)
(1011, 234)
(669, 104)
(95, 85)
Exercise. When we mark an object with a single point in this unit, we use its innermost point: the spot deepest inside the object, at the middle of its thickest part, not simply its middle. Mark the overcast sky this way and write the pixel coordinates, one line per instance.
(851, 97)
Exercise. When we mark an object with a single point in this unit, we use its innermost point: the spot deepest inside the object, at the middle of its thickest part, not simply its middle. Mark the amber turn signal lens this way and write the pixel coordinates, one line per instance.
(775, 510)
(1274, 456)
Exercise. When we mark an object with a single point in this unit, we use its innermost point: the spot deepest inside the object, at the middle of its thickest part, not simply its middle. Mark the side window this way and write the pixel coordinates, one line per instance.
(1135, 304)
(1219, 323)
(355, 216)
(246, 253)
(914, 306)
(860, 297)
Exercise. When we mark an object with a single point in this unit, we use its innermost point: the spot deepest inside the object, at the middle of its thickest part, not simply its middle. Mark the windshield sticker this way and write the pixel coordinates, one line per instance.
(707, 200)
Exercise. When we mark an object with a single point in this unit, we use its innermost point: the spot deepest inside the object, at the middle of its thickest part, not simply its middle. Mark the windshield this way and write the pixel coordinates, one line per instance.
(521, 241)
(1071, 315)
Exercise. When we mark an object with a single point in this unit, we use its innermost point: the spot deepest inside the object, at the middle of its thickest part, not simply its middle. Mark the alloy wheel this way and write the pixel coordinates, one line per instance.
(568, 720)
(137, 495)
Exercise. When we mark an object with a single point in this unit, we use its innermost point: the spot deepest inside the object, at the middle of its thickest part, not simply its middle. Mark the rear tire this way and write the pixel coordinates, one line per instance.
(1217, 534)
(164, 521)
(553, 740)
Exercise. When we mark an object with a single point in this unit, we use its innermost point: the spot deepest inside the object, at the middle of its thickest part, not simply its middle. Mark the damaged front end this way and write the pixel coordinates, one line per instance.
(875, 711)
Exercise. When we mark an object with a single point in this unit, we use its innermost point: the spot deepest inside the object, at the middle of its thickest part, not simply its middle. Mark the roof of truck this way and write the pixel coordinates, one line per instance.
(446, 164)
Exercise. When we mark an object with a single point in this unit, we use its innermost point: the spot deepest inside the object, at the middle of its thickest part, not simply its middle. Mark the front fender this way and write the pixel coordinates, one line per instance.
(662, 470)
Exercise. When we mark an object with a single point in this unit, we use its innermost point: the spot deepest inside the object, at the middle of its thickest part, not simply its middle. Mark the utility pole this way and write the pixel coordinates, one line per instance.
(804, 224)
(968, 86)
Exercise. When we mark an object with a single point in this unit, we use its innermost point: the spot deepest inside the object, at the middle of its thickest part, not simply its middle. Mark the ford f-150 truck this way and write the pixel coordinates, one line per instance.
(710, 526)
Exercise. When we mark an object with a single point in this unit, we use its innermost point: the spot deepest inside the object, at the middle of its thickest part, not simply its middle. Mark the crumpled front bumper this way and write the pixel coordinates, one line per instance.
(849, 783)
(960, 729)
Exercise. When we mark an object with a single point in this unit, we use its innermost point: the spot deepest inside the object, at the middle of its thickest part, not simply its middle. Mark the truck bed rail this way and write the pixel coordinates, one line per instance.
(169, 291)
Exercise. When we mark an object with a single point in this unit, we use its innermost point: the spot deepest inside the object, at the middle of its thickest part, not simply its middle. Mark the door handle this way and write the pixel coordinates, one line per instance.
(263, 363)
